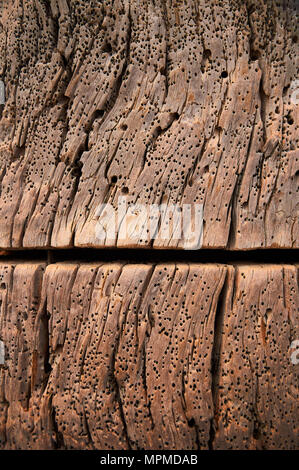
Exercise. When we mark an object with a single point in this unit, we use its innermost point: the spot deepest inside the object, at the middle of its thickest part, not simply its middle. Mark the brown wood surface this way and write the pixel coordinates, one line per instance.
(162, 102)
(167, 356)
(174, 101)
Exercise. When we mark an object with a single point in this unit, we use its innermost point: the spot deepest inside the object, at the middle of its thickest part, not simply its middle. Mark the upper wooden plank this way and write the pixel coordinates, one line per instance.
(159, 101)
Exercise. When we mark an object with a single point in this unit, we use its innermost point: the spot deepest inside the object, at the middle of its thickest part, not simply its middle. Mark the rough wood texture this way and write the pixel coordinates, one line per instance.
(177, 101)
(117, 356)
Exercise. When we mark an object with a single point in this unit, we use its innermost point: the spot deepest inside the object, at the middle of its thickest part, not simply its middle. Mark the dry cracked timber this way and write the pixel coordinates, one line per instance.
(162, 102)
(141, 356)
(176, 102)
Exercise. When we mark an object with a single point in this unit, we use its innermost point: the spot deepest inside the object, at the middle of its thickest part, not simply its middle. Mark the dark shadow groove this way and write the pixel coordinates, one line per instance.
(144, 255)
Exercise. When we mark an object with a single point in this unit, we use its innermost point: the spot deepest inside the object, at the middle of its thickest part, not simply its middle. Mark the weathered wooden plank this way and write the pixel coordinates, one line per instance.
(167, 356)
(257, 385)
(180, 102)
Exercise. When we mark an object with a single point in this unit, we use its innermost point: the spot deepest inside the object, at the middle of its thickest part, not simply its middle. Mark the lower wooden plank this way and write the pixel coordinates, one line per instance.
(167, 356)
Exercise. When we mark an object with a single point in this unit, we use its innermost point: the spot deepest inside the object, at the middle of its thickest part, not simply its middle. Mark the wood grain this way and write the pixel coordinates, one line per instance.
(166, 356)
(177, 102)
